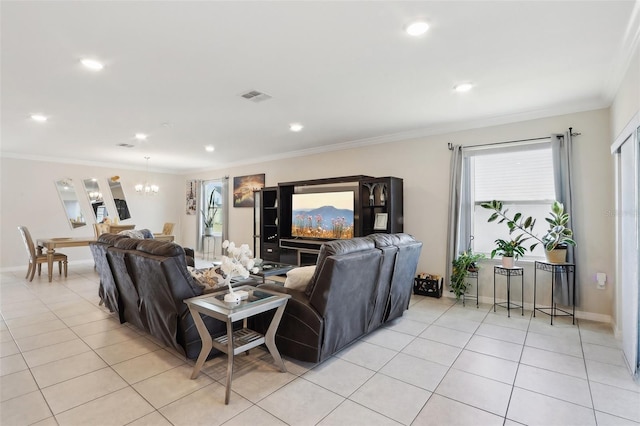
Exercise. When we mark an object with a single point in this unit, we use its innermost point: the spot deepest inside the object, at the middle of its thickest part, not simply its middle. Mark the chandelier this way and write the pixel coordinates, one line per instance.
(147, 188)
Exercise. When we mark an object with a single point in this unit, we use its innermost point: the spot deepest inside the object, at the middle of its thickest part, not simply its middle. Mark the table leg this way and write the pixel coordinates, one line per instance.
(508, 296)
(207, 343)
(494, 290)
(227, 394)
(535, 281)
(270, 338)
(50, 253)
(522, 293)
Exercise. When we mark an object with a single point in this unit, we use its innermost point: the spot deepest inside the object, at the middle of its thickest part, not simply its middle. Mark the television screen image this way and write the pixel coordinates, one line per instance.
(327, 215)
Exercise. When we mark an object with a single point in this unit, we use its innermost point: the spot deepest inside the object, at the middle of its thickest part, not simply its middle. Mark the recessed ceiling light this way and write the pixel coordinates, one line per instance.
(209, 148)
(92, 64)
(39, 118)
(463, 87)
(417, 28)
(295, 127)
(141, 136)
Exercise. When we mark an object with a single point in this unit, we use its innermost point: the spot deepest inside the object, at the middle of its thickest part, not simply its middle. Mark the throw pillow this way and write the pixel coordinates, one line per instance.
(146, 234)
(132, 233)
(210, 279)
(298, 278)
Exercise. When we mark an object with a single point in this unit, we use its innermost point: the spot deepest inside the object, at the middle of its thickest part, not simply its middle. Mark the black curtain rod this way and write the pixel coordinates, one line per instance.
(450, 145)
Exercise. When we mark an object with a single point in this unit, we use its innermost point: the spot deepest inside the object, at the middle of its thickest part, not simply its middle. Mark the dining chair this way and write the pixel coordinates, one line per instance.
(167, 230)
(37, 258)
(101, 228)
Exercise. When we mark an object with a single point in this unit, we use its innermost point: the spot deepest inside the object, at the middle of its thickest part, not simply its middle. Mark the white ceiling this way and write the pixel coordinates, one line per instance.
(346, 70)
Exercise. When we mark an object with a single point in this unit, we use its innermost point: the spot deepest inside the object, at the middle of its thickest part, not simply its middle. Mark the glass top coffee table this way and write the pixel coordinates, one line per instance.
(267, 269)
(236, 342)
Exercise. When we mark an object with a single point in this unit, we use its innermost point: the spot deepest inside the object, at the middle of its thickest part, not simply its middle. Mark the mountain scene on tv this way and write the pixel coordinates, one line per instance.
(322, 222)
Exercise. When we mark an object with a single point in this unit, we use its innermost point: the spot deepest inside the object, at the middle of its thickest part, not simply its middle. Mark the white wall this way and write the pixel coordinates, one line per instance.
(29, 197)
(423, 163)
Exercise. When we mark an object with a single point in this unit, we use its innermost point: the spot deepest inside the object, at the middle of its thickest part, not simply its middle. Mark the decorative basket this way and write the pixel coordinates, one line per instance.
(428, 285)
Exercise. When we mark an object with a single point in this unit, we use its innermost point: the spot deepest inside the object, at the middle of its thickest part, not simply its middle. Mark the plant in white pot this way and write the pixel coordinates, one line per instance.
(555, 240)
(510, 250)
(209, 215)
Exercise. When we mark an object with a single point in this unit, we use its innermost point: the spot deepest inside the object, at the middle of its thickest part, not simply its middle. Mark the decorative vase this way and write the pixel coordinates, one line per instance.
(556, 255)
(208, 231)
(507, 262)
(232, 296)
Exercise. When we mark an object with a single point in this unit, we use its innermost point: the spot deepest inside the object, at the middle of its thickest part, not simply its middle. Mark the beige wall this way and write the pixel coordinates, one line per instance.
(423, 163)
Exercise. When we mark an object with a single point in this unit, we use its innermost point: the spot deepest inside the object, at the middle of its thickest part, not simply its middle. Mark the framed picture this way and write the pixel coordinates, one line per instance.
(380, 223)
(191, 197)
(243, 187)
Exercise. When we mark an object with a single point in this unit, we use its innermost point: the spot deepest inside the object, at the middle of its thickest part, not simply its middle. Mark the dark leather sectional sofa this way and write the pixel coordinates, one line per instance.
(358, 285)
(145, 282)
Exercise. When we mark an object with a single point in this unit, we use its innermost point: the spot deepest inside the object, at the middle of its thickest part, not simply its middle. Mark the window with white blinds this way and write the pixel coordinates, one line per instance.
(522, 177)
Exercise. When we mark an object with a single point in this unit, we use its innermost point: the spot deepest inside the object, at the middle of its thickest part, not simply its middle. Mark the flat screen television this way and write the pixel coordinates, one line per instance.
(323, 215)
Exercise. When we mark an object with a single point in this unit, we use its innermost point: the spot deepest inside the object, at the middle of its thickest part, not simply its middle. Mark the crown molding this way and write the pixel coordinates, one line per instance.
(420, 133)
(440, 129)
(78, 162)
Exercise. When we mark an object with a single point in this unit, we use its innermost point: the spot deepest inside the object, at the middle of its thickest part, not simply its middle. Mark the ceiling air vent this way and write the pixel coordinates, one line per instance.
(125, 145)
(255, 96)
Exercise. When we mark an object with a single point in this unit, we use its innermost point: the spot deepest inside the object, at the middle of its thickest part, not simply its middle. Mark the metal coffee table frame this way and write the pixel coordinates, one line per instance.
(239, 341)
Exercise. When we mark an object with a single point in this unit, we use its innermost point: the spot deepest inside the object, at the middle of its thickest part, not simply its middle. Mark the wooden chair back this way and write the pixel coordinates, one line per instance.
(167, 229)
(100, 228)
(28, 242)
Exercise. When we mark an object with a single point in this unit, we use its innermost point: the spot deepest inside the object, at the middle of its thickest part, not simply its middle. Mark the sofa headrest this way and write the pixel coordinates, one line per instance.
(335, 247)
(385, 240)
(110, 238)
(126, 243)
(160, 248)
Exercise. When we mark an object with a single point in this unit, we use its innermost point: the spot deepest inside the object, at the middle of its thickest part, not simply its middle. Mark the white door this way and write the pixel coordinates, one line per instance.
(628, 248)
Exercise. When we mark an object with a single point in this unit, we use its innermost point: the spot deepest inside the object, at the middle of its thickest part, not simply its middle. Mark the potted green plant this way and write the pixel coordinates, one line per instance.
(558, 237)
(555, 240)
(510, 250)
(464, 263)
(210, 214)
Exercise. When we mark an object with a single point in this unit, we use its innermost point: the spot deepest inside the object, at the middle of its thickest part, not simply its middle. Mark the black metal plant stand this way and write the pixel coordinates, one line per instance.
(556, 269)
(516, 271)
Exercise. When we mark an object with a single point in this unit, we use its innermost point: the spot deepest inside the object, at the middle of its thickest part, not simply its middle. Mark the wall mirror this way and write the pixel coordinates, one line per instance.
(118, 197)
(69, 199)
(96, 199)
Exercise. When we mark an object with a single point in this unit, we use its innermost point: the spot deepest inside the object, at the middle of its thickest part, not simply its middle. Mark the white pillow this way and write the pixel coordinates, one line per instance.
(298, 278)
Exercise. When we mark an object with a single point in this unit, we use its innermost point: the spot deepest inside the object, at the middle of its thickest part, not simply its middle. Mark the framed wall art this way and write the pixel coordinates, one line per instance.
(243, 187)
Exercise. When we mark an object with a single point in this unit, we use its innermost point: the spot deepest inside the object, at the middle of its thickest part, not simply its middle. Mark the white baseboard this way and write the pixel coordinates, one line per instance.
(591, 316)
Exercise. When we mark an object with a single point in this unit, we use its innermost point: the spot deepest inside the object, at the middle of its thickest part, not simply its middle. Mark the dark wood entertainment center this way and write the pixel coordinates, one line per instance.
(377, 207)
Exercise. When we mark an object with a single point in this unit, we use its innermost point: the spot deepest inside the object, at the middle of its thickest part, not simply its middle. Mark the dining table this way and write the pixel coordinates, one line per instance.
(51, 244)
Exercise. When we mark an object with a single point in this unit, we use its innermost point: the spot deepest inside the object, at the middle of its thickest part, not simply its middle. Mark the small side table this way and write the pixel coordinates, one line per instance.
(472, 275)
(556, 269)
(238, 341)
(516, 271)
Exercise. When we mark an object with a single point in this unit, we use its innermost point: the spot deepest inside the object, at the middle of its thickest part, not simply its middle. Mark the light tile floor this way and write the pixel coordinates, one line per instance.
(67, 361)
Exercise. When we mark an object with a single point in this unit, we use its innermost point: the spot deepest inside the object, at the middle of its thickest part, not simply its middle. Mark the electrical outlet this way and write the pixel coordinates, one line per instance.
(601, 279)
